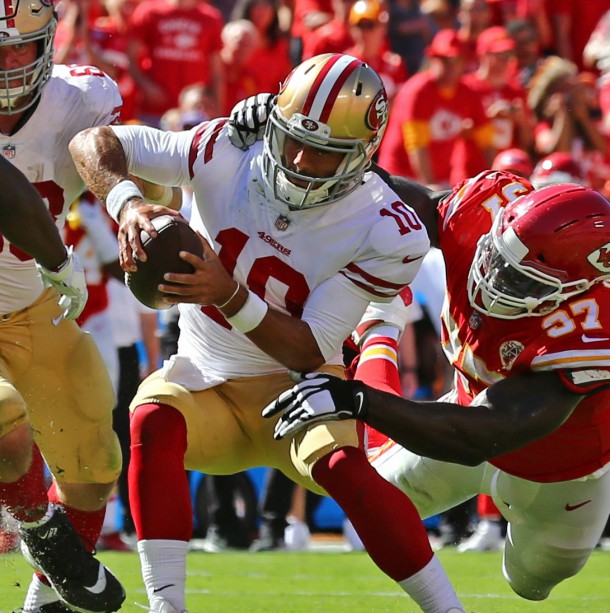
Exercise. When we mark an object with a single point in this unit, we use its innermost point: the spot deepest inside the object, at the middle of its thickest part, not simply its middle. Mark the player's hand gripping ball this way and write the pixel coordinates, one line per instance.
(173, 236)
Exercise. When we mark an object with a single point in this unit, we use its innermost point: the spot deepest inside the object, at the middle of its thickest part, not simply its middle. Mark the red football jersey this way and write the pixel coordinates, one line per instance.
(483, 350)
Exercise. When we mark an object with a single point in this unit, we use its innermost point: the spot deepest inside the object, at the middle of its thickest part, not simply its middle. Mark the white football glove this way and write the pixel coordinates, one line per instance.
(318, 397)
(68, 280)
(248, 119)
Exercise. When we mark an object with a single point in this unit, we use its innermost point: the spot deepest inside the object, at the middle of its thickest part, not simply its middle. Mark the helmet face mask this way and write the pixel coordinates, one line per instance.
(504, 287)
(543, 249)
(25, 23)
(334, 104)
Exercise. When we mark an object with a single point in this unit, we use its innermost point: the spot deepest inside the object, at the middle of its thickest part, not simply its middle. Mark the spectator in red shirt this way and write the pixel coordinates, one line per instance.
(573, 23)
(369, 26)
(474, 16)
(240, 40)
(270, 61)
(106, 48)
(307, 16)
(174, 43)
(332, 37)
(433, 115)
(505, 103)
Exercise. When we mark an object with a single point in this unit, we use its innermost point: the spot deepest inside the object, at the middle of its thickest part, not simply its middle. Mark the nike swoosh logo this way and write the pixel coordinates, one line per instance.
(591, 339)
(573, 507)
(160, 589)
(408, 260)
(360, 398)
(100, 584)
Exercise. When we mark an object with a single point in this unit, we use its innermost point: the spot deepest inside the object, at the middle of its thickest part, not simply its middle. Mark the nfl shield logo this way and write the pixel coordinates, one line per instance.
(282, 222)
(8, 151)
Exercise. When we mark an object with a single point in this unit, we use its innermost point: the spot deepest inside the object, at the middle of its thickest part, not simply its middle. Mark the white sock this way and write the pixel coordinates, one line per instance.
(431, 589)
(387, 330)
(164, 569)
(38, 594)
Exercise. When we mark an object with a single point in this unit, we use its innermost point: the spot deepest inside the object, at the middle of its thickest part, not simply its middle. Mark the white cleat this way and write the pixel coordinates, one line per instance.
(487, 537)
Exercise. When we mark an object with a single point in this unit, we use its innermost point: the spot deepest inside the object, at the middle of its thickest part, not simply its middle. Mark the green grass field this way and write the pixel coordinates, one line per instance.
(329, 582)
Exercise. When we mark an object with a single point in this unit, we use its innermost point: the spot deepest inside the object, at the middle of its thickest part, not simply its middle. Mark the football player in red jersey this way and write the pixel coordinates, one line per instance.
(527, 329)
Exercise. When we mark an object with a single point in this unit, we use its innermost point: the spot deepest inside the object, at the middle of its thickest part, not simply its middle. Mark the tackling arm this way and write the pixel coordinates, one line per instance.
(507, 416)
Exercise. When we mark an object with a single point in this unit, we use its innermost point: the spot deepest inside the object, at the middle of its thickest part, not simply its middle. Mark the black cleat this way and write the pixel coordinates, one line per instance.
(79, 579)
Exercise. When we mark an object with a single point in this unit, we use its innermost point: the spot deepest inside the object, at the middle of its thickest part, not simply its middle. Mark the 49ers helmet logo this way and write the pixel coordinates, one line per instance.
(378, 111)
(310, 125)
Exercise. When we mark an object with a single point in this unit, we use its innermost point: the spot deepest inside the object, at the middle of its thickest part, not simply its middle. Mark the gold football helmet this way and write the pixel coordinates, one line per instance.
(25, 21)
(335, 103)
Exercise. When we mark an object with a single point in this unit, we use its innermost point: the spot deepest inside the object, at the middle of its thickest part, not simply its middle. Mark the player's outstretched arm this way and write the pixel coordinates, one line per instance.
(510, 414)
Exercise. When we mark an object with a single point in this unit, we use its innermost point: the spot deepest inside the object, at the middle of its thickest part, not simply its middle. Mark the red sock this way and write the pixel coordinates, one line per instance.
(88, 524)
(384, 518)
(158, 486)
(378, 367)
(26, 499)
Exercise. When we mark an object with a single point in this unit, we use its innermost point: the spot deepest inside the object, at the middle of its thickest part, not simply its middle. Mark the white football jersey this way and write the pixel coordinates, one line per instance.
(322, 264)
(74, 98)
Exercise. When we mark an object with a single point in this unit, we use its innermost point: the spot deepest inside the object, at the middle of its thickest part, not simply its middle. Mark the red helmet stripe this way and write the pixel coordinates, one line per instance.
(9, 11)
(327, 85)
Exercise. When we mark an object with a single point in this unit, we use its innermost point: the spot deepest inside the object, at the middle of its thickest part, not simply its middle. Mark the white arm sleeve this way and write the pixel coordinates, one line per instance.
(333, 311)
(154, 155)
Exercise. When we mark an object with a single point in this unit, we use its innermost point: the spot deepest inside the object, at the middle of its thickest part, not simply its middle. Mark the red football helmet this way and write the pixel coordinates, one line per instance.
(559, 167)
(516, 161)
(543, 248)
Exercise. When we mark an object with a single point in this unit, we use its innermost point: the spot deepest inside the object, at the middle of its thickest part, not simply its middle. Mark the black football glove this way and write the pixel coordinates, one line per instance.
(318, 397)
(248, 119)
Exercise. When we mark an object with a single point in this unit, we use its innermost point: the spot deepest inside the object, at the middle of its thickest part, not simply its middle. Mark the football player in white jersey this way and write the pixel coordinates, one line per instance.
(526, 327)
(52, 379)
(298, 238)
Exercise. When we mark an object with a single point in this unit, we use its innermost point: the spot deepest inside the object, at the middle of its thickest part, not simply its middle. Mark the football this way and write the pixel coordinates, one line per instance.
(174, 235)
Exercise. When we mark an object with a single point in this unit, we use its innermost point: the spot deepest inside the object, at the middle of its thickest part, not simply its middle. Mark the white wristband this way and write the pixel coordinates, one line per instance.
(250, 315)
(119, 195)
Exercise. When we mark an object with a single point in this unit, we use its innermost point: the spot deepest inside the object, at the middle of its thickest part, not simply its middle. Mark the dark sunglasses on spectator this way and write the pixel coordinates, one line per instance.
(366, 24)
